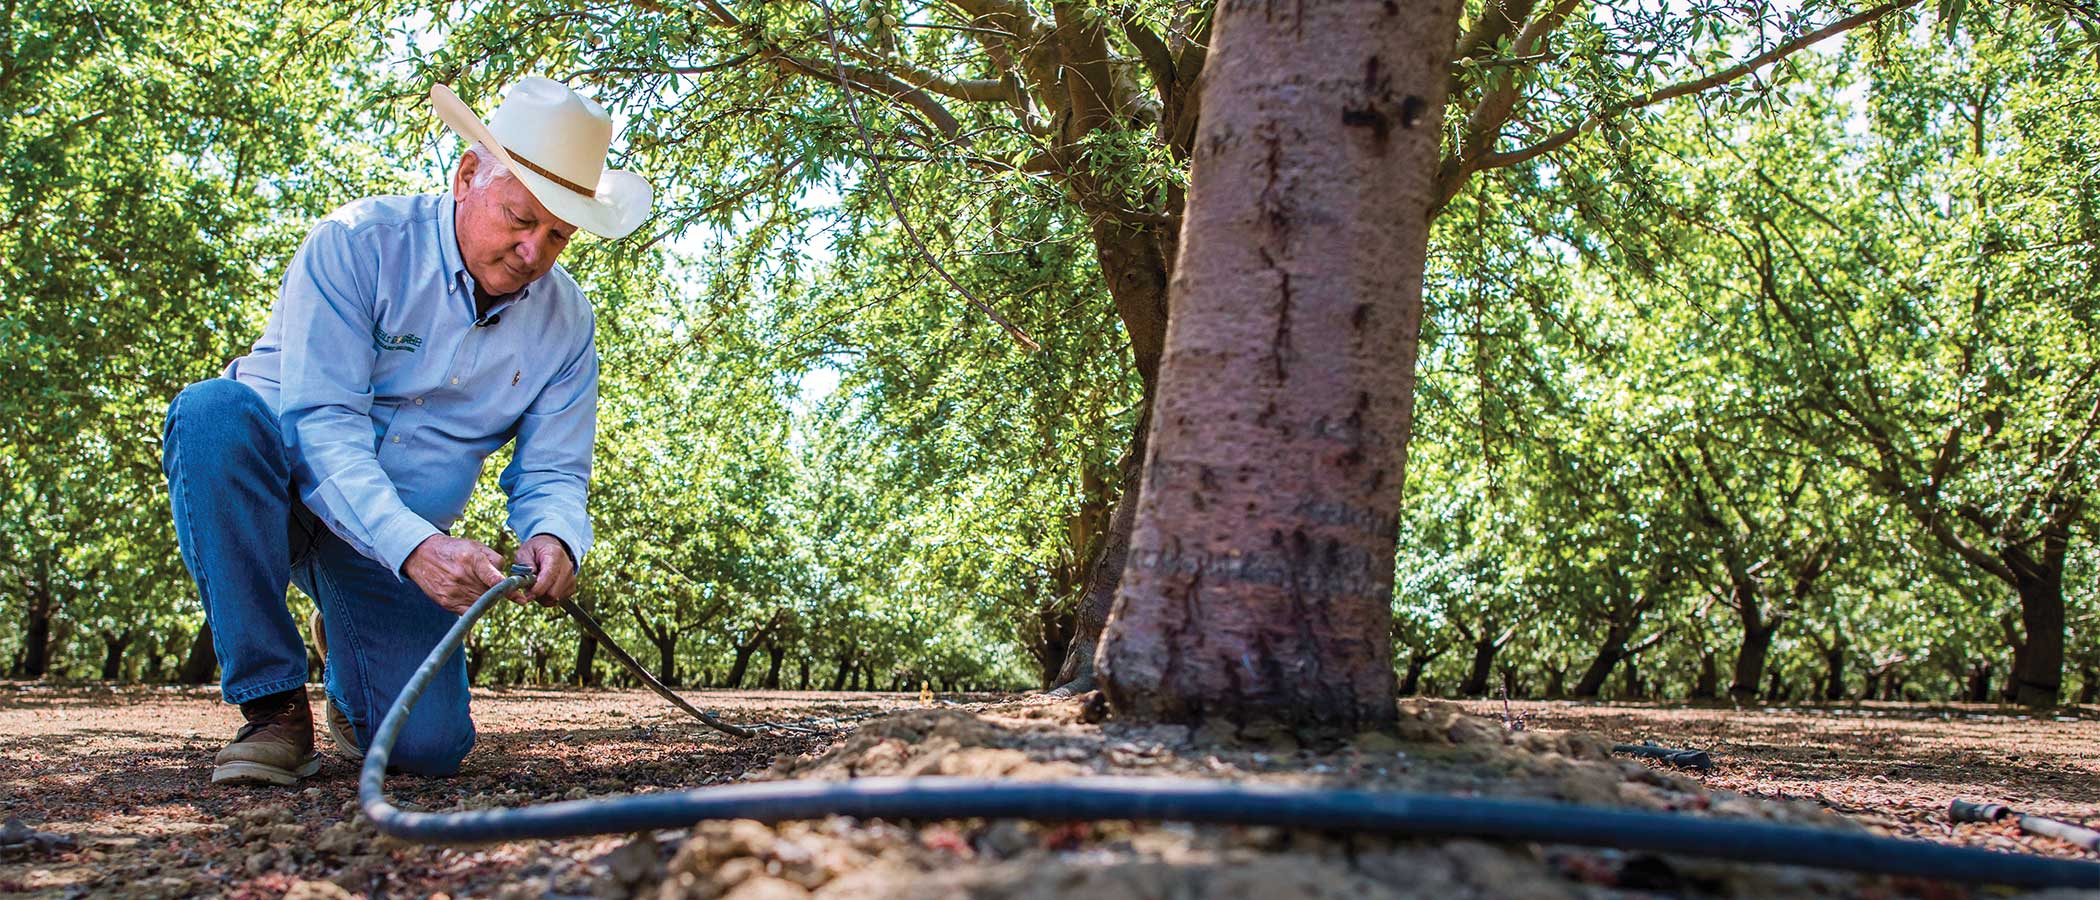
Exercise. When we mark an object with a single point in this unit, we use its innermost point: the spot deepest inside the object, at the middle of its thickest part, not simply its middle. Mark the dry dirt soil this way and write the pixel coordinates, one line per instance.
(111, 789)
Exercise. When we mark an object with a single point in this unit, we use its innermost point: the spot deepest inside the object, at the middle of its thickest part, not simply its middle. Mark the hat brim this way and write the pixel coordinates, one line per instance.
(618, 206)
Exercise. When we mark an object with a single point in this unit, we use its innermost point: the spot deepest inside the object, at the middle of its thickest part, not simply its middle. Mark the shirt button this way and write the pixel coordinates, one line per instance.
(455, 381)
(397, 439)
(419, 401)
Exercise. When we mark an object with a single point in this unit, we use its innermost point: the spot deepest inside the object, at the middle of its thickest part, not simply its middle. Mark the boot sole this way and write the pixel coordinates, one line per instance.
(259, 773)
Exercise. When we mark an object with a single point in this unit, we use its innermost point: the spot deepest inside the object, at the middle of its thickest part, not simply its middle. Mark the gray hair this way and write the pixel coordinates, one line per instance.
(488, 167)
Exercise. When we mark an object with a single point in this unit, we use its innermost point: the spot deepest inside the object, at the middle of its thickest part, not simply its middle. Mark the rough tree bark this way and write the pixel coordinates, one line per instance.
(1259, 582)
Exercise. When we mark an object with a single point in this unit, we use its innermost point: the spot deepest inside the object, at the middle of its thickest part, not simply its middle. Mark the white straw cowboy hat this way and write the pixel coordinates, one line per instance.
(555, 140)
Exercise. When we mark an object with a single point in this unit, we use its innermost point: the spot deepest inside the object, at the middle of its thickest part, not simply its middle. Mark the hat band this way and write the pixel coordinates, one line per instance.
(587, 193)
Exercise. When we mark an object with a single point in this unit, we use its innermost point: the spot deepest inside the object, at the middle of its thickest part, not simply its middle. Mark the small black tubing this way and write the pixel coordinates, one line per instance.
(1960, 810)
(1186, 800)
(1683, 759)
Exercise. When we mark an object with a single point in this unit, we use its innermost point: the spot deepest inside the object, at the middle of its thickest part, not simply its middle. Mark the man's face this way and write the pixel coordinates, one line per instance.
(506, 237)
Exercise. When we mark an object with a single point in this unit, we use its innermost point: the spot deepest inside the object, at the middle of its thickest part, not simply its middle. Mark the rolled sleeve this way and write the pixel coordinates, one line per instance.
(325, 309)
(548, 479)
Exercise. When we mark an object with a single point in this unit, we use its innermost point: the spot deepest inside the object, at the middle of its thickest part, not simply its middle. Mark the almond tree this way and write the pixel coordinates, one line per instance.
(970, 109)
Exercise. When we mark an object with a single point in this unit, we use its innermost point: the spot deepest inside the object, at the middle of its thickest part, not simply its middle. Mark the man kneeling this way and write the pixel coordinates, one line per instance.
(412, 337)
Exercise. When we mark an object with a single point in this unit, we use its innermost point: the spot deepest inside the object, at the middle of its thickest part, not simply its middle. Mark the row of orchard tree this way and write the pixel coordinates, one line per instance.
(1756, 353)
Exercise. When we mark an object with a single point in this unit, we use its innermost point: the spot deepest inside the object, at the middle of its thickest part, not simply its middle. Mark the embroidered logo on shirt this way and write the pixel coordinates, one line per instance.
(383, 341)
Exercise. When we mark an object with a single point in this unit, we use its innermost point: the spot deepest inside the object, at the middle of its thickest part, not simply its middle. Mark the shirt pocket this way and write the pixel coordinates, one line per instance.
(511, 381)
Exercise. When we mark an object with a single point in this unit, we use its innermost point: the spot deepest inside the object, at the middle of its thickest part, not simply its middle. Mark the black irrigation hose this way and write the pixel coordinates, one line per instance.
(1185, 800)
(1683, 759)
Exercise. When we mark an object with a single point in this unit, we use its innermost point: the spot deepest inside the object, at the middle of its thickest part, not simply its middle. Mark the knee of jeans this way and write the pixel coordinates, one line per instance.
(217, 396)
(215, 400)
(214, 403)
(421, 752)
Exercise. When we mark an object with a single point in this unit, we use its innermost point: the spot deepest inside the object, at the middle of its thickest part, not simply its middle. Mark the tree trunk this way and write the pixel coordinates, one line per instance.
(1632, 686)
(477, 660)
(666, 643)
(1750, 659)
(775, 655)
(1708, 687)
(1609, 655)
(802, 672)
(1775, 691)
(1556, 682)
(1416, 662)
(586, 673)
(1484, 651)
(735, 678)
(1979, 682)
(838, 678)
(1076, 676)
(113, 645)
(1834, 669)
(1511, 687)
(201, 664)
(35, 659)
(2038, 663)
(1259, 583)
(2089, 685)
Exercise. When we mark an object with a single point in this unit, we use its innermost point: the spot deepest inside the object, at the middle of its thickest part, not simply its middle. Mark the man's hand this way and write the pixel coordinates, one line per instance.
(453, 571)
(554, 575)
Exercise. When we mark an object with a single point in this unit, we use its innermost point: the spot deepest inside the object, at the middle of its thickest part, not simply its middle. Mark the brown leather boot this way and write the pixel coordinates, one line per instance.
(340, 732)
(275, 747)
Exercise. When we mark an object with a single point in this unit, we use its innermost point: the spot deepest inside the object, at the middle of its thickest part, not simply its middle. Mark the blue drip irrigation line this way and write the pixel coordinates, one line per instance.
(1184, 800)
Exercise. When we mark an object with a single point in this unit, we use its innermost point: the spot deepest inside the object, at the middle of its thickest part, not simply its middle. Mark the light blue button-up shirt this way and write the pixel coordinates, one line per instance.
(391, 392)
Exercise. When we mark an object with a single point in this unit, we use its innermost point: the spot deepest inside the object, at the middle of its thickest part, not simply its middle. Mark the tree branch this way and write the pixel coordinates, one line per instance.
(1489, 160)
(870, 81)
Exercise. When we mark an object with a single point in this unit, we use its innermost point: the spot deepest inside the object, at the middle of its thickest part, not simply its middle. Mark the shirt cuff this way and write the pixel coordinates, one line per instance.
(573, 539)
(398, 537)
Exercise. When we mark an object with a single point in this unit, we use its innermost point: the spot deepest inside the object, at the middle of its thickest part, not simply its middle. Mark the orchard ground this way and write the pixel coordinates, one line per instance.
(123, 773)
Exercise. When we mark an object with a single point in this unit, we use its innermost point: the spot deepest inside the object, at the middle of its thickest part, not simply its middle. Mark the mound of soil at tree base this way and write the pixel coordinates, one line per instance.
(1440, 749)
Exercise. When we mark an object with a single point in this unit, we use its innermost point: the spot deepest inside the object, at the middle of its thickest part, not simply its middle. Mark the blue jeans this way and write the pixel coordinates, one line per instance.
(246, 537)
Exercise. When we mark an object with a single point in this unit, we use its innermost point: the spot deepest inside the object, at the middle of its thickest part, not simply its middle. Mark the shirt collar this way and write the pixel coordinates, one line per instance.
(459, 283)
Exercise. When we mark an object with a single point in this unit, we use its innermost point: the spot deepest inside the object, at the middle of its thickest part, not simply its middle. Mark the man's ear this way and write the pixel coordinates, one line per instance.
(463, 177)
